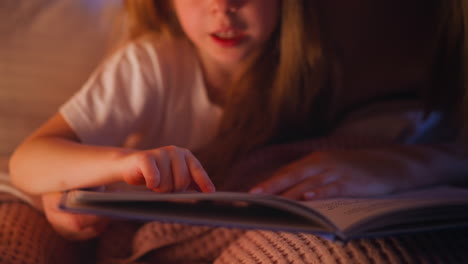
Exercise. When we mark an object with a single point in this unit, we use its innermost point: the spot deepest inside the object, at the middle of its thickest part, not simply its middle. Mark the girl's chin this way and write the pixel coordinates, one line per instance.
(226, 57)
(231, 57)
(231, 60)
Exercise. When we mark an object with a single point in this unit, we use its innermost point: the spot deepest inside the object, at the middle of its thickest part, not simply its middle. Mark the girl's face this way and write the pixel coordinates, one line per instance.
(227, 31)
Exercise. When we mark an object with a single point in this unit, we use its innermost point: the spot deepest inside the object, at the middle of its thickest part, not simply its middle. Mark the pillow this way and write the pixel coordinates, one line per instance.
(48, 48)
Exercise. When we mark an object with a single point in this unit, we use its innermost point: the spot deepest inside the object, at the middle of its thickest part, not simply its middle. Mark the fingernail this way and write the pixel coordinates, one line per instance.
(211, 188)
(157, 180)
(152, 185)
(309, 195)
(256, 190)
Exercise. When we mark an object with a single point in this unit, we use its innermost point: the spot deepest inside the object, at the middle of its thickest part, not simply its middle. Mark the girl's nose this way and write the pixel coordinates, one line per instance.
(226, 6)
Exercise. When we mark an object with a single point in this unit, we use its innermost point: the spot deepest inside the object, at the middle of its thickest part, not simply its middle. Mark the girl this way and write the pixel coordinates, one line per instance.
(221, 78)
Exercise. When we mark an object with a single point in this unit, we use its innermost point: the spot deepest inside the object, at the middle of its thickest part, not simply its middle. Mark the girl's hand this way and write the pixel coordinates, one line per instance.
(166, 169)
(343, 173)
(72, 226)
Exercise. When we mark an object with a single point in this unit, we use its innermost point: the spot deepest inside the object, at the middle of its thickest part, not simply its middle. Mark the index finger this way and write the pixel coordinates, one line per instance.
(198, 173)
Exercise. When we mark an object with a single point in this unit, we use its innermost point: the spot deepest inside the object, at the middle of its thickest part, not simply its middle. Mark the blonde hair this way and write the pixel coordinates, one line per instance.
(276, 97)
(151, 17)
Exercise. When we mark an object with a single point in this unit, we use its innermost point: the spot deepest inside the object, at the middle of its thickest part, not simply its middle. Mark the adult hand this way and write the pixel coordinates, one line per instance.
(166, 169)
(72, 226)
(343, 173)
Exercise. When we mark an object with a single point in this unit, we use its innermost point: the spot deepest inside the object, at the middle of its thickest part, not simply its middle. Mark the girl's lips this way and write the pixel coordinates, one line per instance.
(228, 38)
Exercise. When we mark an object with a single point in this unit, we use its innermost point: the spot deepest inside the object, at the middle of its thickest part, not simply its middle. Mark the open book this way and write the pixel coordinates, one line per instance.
(341, 219)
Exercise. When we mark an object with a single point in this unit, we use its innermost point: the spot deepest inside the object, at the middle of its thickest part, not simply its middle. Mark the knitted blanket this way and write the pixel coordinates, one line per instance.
(26, 237)
(174, 243)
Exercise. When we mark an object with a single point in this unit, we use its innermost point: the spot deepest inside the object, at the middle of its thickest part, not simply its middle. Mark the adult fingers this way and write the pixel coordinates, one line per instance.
(198, 173)
(354, 188)
(308, 186)
(331, 190)
(287, 177)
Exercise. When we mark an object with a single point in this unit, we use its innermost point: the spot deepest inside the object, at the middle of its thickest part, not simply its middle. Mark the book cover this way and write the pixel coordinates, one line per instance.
(338, 218)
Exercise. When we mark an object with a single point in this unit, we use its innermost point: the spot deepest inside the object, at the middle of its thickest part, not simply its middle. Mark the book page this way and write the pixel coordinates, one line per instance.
(348, 212)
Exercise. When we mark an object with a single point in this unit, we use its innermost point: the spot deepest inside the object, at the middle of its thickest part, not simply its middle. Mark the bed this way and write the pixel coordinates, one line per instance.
(47, 50)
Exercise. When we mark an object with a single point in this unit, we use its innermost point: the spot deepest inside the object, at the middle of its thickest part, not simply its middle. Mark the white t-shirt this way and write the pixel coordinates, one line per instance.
(151, 92)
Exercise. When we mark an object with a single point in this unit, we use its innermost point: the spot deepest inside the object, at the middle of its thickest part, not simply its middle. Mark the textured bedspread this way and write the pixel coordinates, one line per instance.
(174, 243)
(26, 237)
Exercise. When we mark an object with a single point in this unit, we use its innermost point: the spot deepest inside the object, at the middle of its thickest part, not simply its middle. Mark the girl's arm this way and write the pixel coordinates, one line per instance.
(368, 172)
(52, 159)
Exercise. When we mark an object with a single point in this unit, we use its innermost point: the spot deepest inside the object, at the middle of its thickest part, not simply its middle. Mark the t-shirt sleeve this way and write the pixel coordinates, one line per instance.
(115, 99)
